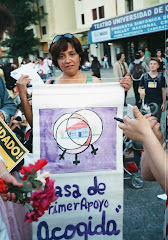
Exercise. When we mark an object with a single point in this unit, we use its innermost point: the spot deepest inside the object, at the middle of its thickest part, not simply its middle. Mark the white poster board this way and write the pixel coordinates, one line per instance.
(75, 130)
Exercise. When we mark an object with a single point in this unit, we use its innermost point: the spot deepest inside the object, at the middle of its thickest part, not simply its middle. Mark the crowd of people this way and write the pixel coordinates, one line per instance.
(147, 73)
(67, 55)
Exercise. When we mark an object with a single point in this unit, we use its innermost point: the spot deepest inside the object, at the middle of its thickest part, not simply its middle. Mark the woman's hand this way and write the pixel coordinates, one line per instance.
(126, 82)
(8, 178)
(22, 85)
(10, 196)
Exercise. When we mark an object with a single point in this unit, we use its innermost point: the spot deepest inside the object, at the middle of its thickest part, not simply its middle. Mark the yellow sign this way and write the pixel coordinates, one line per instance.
(11, 148)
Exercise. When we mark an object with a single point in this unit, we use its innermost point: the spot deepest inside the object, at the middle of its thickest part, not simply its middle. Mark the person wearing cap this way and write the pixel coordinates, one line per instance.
(137, 69)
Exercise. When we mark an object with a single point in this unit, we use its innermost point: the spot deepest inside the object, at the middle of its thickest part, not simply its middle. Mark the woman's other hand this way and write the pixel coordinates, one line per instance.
(22, 85)
(126, 82)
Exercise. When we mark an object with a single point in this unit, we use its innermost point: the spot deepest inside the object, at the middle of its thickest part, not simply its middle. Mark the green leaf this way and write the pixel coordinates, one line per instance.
(36, 183)
(25, 189)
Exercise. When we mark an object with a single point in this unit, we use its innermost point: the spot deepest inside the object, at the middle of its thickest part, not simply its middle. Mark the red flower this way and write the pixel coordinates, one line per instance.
(33, 215)
(37, 166)
(42, 199)
(3, 188)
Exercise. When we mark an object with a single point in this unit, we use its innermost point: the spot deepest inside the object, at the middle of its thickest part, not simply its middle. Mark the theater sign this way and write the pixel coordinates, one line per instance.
(145, 21)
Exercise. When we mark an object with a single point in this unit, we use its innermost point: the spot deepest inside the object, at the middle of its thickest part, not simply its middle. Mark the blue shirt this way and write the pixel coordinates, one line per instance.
(7, 105)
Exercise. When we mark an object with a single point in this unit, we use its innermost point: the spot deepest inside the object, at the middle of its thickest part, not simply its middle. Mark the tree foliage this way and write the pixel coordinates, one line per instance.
(22, 41)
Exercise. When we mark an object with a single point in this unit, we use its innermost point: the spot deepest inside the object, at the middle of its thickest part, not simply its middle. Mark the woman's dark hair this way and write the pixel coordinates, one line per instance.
(7, 21)
(95, 59)
(62, 45)
(24, 60)
(118, 56)
(159, 50)
(41, 58)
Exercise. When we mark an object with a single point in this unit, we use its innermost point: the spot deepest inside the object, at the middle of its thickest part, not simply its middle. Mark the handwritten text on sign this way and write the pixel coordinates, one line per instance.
(105, 227)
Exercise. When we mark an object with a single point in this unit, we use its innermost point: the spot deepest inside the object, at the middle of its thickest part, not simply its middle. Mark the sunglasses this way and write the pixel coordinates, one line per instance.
(56, 38)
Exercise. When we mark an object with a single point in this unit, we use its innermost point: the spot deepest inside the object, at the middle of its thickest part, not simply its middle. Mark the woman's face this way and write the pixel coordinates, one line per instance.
(69, 61)
(159, 53)
(123, 57)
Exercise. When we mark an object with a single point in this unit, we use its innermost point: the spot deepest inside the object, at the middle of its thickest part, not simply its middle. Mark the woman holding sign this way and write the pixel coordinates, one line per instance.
(67, 54)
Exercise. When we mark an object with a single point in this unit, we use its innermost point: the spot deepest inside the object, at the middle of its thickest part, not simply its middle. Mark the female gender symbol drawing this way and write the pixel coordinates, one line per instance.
(75, 132)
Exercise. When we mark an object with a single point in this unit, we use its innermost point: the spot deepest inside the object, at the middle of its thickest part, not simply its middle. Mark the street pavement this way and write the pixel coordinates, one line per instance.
(143, 210)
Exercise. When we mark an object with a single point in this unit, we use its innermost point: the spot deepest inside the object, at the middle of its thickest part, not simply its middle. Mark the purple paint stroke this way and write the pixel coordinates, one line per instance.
(106, 144)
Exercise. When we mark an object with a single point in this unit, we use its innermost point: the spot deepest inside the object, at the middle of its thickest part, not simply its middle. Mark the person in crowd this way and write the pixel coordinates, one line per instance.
(53, 69)
(154, 85)
(162, 66)
(105, 60)
(42, 69)
(47, 64)
(11, 214)
(143, 57)
(14, 66)
(35, 65)
(86, 66)
(91, 59)
(24, 62)
(154, 162)
(7, 106)
(121, 70)
(96, 67)
(10, 82)
(147, 53)
(137, 69)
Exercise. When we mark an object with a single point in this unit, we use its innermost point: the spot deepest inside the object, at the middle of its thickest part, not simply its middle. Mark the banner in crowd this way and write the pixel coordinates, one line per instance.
(75, 130)
(11, 148)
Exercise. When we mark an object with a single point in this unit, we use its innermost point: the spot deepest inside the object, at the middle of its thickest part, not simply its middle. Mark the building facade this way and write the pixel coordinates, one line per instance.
(145, 27)
(59, 18)
(105, 26)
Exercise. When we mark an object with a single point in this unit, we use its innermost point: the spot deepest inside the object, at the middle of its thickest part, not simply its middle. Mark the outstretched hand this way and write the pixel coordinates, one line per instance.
(136, 129)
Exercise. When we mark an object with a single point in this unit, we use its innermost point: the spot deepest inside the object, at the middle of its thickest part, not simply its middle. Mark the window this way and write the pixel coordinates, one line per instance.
(94, 13)
(128, 5)
(42, 10)
(44, 30)
(101, 12)
(83, 18)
